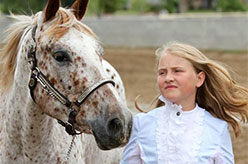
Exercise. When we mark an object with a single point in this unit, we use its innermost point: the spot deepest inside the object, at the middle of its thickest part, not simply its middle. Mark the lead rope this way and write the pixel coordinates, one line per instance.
(69, 151)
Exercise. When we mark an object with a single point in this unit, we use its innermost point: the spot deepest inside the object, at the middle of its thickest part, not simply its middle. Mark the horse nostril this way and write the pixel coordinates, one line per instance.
(114, 127)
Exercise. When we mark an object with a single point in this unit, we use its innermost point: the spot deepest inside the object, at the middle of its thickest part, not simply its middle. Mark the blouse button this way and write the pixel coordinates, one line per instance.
(178, 113)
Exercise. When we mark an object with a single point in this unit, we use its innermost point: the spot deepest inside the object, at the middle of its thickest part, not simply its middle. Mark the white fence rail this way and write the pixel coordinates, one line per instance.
(205, 31)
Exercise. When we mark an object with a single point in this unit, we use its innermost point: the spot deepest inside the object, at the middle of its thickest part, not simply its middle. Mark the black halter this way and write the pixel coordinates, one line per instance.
(38, 76)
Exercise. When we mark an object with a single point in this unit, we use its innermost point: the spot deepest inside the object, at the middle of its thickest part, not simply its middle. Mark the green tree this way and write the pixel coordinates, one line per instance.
(33, 6)
(20, 6)
(230, 5)
(172, 6)
(67, 3)
(140, 5)
(100, 7)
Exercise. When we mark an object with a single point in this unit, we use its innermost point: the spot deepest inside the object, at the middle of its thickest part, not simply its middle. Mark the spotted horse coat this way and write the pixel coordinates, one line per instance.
(68, 54)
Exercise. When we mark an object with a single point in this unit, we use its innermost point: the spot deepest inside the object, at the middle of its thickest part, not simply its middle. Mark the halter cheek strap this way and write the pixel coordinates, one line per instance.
(38, 76)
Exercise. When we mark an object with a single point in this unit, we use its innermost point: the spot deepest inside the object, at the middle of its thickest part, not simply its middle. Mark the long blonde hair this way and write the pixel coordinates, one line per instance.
(220, 95)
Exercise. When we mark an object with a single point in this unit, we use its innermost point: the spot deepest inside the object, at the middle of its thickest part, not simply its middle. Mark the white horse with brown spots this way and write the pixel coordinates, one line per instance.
(52, 68)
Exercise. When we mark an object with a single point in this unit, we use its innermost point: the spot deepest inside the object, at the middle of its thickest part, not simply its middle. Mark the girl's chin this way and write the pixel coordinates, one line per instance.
(172, 99)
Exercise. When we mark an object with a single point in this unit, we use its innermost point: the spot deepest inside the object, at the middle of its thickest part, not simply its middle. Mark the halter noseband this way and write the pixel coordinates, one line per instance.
(38, 76)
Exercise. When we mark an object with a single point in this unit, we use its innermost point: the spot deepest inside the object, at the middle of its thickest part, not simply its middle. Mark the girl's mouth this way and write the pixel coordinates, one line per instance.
(170, 87)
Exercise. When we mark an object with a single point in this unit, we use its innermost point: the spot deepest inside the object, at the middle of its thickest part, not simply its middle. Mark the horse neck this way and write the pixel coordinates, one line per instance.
(30, 131)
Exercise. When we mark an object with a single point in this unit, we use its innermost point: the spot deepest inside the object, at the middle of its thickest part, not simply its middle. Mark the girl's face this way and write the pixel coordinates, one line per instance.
(178, 81)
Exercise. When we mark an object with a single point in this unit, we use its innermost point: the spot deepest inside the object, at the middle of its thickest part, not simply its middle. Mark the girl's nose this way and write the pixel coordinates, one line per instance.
(169, 77)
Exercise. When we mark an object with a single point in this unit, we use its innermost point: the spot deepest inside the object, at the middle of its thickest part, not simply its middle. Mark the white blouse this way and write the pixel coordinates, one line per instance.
(168, 135)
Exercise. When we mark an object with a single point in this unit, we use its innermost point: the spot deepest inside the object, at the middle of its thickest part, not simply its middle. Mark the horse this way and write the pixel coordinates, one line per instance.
(61, 102)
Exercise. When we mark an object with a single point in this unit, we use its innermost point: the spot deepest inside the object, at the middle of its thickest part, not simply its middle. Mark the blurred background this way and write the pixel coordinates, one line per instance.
(100, 7)
(131, 31)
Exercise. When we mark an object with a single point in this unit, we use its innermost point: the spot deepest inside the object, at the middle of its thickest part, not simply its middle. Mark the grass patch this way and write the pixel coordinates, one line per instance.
(201, 11)
(126, 12)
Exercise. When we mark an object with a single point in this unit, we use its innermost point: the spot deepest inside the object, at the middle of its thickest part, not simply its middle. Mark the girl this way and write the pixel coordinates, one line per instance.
(190, 124)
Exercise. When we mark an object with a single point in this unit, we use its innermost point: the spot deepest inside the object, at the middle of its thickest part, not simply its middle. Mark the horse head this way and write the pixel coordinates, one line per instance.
(67, 79)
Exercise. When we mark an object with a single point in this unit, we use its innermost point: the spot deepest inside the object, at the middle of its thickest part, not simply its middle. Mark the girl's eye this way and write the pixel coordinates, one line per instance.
(161, 73)
(177, 70)
(61, 56)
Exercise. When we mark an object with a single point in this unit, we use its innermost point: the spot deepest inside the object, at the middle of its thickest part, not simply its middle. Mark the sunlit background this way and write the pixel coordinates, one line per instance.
(131, 30)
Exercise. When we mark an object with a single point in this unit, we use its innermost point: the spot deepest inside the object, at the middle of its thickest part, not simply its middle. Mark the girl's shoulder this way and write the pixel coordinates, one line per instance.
(153, 114)
(147, 119)
(215, 123)
(209, 117)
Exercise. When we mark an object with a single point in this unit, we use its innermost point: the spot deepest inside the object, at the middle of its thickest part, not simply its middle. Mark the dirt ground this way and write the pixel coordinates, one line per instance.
(137, 70)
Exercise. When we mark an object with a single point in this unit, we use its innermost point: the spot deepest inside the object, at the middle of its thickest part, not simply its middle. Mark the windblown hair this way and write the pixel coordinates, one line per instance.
(8, 54)
(220, 94)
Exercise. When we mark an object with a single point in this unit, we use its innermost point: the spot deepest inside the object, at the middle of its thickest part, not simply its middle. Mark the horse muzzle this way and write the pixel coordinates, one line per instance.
(112, 133)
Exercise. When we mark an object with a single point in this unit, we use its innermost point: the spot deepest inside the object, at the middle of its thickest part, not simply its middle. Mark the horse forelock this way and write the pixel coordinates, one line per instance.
(64, 20)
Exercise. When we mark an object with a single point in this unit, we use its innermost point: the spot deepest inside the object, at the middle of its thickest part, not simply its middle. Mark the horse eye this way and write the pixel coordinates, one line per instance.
(61, 56)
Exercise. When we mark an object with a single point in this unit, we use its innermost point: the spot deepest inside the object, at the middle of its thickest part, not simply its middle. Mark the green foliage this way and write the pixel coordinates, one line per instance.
(105, 6)
(27, 6)
(33, 6)
(171, 5)
(111, 6)
(65, 3)
(93, 7)
(20, 6)
(140, 5)
(230, 5)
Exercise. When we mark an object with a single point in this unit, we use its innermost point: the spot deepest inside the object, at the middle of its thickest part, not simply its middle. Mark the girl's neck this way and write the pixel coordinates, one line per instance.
(188, 107)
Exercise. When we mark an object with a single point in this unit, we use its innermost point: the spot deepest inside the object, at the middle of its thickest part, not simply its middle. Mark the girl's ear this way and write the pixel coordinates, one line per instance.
(201, 78)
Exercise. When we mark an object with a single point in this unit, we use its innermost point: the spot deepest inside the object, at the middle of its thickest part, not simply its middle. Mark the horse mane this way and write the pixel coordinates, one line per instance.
(8, 54)
(10, 49)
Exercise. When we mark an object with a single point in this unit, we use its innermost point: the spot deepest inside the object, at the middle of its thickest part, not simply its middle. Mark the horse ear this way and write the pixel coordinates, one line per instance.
(79, 8)
(51, 9)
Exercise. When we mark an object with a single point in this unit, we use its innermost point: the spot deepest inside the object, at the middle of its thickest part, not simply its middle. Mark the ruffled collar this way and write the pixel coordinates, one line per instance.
(178, 133)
